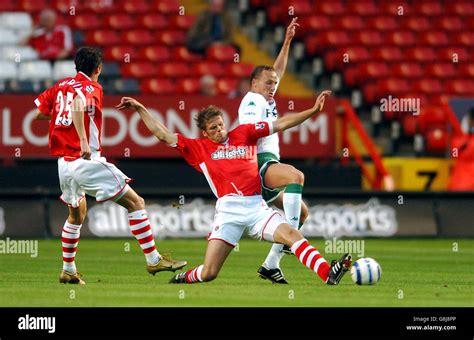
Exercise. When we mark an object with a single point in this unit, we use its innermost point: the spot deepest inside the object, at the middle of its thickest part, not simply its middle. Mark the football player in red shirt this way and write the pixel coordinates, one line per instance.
(228, 160)
(74, 106)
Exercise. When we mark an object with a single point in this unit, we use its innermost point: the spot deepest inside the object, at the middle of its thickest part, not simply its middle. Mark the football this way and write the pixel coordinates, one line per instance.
(366, 271)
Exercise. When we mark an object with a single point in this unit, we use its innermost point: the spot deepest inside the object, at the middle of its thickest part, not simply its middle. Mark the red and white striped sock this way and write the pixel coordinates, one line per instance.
(194, 275)
(70, 238)
(311, 258)
(140, 227)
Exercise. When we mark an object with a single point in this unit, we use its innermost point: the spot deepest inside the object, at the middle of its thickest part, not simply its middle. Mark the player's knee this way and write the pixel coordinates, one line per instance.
(297, 177)
(138, 204)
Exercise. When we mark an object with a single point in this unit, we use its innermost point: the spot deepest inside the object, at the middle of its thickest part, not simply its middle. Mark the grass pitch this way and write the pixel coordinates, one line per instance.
(415, 272)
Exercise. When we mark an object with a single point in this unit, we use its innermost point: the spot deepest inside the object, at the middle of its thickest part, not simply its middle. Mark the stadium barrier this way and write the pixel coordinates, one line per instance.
(332, 214)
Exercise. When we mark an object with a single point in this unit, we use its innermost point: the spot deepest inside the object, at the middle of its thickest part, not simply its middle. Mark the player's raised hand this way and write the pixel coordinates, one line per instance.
(291, 29)
(128, 103)
(319, 104)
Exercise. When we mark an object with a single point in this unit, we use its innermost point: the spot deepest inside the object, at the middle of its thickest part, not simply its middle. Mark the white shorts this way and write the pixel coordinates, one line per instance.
(96, 178)
(234, 214)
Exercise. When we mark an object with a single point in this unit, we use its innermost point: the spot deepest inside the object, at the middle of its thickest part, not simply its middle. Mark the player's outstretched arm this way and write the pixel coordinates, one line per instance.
(288, 121)
(156, 128)
(280, 62)
(78, 121)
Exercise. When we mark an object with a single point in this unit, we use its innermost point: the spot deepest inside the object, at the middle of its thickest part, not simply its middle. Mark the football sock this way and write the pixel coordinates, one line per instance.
(194, 275)
(140, 227)
(311, 258)
(292, 208)
(70, 238)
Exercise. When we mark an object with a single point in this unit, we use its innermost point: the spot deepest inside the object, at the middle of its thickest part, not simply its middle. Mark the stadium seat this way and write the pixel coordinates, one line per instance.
(182, 22)
(18, 53)
(120, 53)
(153, 21)
(181, 53)
(436, 142)
(86, 22)
(434, 38)
(441, 70)
(221, 53)
(173, 69)
(35, 70)
(168, 7)
(326, 40)
(385, 87)
(155, 53)
(370, 70)
(393, 8)
(428, 86)
(188, 85)
(138, 37)
(313, 22)
(208, 68)
(120, 21)
(428, 8)
(432, 117)
(8, 70)
(464, 39)
(139, 70)
(63, 69)
(449, 23)
(226, 86)
(16, 20)
(135, 6)
(333, 8)
(368, 38)
(103, 38)
(158, 86)
(417, 24)
(450, 54)
(409, 124)
(171, 37)
(461, 87)
(239, 70)
(97, 6)
(422, 54)
(345, 56)
(382, 23)
(32, 6)
(467, 70)
(407, 70)
(125, 86)
(349, 22)
(401, 38)
(388, 53)
(362, 8)
(461, 8)
(7, 6)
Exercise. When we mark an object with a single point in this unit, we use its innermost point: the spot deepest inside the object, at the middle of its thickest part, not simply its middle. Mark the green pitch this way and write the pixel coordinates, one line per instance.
(415, 272)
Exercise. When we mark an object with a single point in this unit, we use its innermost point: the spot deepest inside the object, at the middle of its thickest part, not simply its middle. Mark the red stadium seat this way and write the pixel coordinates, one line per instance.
(120, 53)
(394, 8)
(188, 85)
(421, 54)
(208, 68)
(173, 69)
(64, 6)
(464, 39)
(155, 53)
(368, 38)
(432, 117)
(296, 8)
(139, 70)
(362, 8)
(407, 70)
(428, 8)
(135, 6)
(434, 38)
(401, 38)
(181, 53)
(439, 99)
(428, 86)
(153, 21)
(393, 86)
(349, 22)
(120, 21)
(103, 38)
(97, 6)
(326, 40)
(275, 14)
(333, 8)
(345, 56)
(171, 37)
(409, 124)
(138, 37)
(239, 70)
(388, 53)
(467, 70)
(461, 87)
(8, 6)
(182, 22)
(436, 142)
(461, 8)
(32, 6)
(370, 70)
(168, 7)
(449, 23)
(451, 54)
(86, 22)
(441, 70)
(224, 53)
(226, 86)
(383, 23)
(158, 86)
(313, 23)
(417, 24)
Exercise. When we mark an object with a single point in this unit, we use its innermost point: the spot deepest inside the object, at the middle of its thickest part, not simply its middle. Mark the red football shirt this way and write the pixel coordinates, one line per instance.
(57, 101)
(231, 167)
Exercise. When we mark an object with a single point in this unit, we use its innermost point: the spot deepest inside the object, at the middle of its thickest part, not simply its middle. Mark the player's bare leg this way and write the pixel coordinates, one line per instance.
(310, 256)
(216, 254)
(140, 228)
(70, 239)
(296, 212)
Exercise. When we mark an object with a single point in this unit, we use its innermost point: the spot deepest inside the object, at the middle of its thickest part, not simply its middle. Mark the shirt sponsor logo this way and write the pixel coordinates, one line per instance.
(89, 88)
(231, 152)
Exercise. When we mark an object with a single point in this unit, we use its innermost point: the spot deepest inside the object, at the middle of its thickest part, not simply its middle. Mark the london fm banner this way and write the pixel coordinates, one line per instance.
(124, 135)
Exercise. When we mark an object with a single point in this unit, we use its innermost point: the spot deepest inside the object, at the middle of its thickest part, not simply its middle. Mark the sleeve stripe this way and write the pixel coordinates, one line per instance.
(270, 128)
(37, 102)
(79, 92)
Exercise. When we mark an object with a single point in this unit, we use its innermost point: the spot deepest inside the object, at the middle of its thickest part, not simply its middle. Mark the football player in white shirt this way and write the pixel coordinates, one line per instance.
(282, 184)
